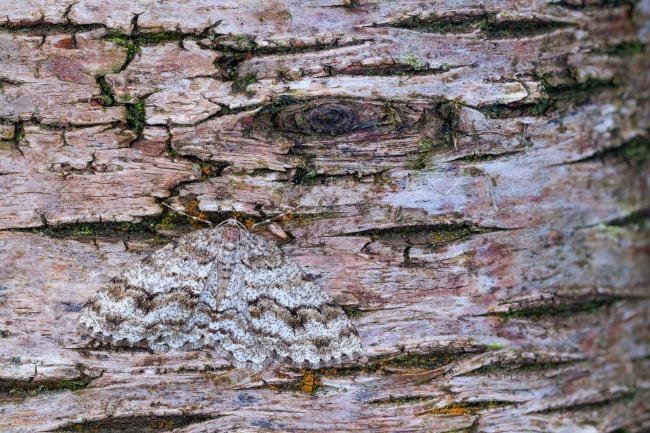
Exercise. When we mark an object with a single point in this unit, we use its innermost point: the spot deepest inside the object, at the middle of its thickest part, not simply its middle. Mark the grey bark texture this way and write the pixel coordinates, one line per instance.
(471, 182)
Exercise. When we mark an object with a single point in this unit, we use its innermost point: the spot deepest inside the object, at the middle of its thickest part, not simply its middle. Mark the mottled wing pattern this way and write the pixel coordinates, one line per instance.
(227, 289)
(294, 319)
(149, 304)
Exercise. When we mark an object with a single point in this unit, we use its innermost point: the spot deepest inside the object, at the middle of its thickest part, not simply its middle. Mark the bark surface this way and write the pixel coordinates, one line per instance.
(471, 182)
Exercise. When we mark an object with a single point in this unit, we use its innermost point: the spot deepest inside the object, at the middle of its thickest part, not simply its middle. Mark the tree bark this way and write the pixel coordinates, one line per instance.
(471, 181)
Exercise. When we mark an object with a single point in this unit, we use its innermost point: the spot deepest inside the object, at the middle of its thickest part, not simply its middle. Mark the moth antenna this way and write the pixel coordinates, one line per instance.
(185, 214)
(277, 217)
(233, 219)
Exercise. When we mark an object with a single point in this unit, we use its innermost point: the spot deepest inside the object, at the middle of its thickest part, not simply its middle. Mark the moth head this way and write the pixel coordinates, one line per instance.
(230, 234)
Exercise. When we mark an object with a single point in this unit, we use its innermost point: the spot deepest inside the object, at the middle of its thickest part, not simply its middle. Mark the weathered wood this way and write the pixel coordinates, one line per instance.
(471, 181)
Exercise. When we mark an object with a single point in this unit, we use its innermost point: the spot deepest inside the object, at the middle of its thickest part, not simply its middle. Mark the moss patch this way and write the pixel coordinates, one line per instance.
(139, 424)
(307, 173)
(523, 366)
(518, 29)
(44, 28)
(457, 24)
(19, 132)
(125, 42)
(487, 23)
(505, 111)
(240, 84)
(427, 235)
(634, 152)
(23, 388)
(353, 312)
(626, 49)
(135, 117)
(419, 160)
(106, 97)
(559, 308)
(425, 361)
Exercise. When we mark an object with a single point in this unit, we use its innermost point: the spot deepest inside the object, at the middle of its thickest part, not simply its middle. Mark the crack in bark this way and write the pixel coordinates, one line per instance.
(618, 397)
(486, 23)
(633, 152)
(31, 386)
(558, 305)
(425, 234)
(137, 424)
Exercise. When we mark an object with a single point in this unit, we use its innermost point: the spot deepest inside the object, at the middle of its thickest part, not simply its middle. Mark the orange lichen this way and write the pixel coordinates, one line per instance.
(310, 382)
(449, 410)
(191, 207)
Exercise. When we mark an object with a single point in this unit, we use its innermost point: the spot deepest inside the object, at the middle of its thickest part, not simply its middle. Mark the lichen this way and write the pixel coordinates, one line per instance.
(466, 408)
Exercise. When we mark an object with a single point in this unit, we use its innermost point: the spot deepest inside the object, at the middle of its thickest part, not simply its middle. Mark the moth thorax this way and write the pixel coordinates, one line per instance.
(230, 238)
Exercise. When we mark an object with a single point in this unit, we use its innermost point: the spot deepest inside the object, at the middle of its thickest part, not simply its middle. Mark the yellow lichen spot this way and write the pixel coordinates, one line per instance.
(450, 410)
(249, 223)
(309, 382)
(191, 206)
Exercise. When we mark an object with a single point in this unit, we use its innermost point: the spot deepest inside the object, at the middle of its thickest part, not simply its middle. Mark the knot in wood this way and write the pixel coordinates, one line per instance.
(330, 119)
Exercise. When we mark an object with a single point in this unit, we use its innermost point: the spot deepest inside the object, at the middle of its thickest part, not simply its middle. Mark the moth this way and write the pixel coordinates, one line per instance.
(230, 291)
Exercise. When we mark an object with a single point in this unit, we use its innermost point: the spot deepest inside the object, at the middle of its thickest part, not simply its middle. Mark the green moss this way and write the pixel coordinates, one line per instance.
(504, 111)
(135, 117)
(563, 96)
(240, 84)
(19, 132)
(135, 424)
(558, 309)
(523, 366)
(458, 24)
(517, 29)
(625, 397)
(626, 49)
(42, 27)
(106, 93)
(432, 234)
(495, 346)
(426, 361)
(20, 388)
(353, 312)
(634, 152)
(104, 230)
(153, 38)
(413, 61)
(82, 230)
(168, 221)
(307, 173)
(419, 160)
(124, 41)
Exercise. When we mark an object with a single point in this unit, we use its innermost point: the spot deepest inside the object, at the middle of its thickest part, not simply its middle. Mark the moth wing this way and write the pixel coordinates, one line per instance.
(292, 316)
(150, 303)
